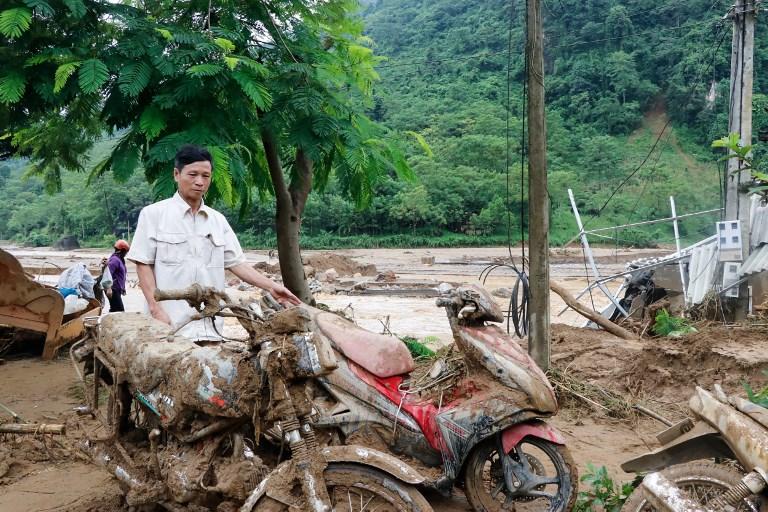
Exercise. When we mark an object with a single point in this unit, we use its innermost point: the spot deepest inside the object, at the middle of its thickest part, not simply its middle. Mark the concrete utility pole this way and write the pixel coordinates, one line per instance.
(538, 198)
(740, 121)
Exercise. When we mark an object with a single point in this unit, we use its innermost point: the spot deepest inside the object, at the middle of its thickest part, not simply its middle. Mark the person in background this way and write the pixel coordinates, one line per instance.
(116, 266)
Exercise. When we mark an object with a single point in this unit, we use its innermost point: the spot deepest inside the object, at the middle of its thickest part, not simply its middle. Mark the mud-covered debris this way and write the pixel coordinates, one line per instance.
(503, 293)
(267, 268)
(330, 275)
(386, 277)
(344, 265)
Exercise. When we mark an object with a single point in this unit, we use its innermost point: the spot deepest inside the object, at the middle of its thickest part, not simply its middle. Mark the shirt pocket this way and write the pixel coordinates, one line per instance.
(216, 246)
(172, 248)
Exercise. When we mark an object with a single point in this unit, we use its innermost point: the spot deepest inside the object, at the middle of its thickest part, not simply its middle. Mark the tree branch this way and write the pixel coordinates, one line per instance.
(603, 322)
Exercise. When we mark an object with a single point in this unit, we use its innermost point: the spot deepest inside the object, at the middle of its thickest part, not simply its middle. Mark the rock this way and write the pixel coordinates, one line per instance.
(331, 275)
(428, 260)
(309, 271)
(360, 285)
(357, 275)
(234, 282)
(503, 293)
(244, 286)
(67, 243)
(315, 286)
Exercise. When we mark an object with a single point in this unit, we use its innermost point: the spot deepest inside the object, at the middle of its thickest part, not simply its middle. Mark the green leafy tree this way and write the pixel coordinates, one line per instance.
(275, 90)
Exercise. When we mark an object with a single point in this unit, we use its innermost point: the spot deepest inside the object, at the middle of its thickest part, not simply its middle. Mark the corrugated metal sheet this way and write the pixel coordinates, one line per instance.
(701, 272)
(756, 263)
(758, 215)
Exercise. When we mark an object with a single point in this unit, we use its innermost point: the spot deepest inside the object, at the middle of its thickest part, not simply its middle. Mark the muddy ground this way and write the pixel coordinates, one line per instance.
(45, 475)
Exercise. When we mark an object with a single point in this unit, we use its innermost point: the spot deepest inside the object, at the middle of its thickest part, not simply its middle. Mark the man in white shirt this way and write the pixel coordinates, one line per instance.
(180, 241)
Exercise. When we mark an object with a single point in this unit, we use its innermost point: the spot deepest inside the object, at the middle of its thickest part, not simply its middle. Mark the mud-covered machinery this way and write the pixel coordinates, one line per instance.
(311, 412)
(225, 425)
(27, 304)
(717, 463)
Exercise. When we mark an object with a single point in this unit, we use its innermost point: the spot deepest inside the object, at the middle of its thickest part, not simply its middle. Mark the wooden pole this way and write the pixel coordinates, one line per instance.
(740, 121)
(538, 198)
(599, 319)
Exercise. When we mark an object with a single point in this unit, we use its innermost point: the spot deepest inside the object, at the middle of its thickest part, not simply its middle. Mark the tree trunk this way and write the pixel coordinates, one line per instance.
(603, 322)
(289, 208)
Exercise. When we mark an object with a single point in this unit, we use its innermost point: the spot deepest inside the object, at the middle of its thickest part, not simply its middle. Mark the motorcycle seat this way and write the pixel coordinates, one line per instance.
(384, 356)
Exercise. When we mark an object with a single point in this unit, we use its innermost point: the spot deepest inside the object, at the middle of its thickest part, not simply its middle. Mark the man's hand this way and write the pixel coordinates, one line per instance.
(158, 313)
(283, 295)
(108, 291)
(252, 276)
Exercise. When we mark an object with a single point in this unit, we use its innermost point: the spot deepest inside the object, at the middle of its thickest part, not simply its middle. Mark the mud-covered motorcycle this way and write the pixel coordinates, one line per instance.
(335, 396)
(225, 425)
(719, 462)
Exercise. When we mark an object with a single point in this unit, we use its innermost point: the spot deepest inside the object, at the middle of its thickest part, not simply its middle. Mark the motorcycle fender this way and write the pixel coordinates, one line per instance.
(375, 459)
(271, 485)
(701, 442)
(514, 434)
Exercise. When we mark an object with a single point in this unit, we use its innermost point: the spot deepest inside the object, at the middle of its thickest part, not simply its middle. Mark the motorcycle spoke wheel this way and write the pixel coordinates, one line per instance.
(354, 488)
(549, 480)
(702, 481)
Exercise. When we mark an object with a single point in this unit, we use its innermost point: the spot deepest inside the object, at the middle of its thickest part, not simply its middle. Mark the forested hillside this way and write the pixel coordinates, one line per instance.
(618, 73)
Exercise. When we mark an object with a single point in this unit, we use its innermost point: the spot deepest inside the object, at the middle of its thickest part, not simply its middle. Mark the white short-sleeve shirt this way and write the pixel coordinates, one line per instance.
(186, 249)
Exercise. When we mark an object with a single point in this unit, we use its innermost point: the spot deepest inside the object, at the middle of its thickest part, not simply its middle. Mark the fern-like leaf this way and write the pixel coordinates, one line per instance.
(225, 44)
(125, 160)
(14, 22)
(63, 72)
(422, 142)
(134, 77)
(152, 122)
(165, 33)
(12, 86)
(42, 7)
(76, 8)
(255, 91)
(207, 69)
(92, 74)
(222, 176)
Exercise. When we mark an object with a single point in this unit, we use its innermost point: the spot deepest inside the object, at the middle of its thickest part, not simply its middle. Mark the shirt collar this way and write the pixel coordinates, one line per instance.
(180, 203)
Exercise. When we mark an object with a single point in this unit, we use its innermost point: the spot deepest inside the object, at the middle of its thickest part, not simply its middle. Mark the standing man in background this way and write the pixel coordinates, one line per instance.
(116, 266)
(181, 241)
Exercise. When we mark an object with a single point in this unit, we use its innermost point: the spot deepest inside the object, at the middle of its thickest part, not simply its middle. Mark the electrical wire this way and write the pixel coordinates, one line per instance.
(661, 134)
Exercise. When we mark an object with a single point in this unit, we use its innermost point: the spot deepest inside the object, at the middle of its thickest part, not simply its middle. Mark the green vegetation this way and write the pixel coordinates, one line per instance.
(668, 325)
(417, 348)
(601, 493)
(616, 73)
(759, 397)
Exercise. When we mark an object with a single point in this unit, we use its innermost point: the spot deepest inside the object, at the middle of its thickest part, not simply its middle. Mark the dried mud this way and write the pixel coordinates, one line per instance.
(344, 265)
(666, 369)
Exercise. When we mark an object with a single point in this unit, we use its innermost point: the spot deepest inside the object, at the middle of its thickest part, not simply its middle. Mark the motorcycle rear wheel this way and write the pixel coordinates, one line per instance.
(703, 481)
(484, 480)
(355, 488)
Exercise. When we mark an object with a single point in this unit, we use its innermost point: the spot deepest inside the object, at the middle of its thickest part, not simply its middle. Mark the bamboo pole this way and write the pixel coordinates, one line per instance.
(32, 428)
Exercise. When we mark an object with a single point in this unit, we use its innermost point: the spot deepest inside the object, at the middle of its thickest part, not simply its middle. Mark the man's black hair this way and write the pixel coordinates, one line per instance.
(190, 153)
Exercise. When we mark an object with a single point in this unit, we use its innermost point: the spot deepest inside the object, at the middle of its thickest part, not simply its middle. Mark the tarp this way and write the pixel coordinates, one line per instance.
(78, 277)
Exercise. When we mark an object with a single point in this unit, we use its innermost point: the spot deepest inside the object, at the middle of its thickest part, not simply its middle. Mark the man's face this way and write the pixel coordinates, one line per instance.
(193, 179)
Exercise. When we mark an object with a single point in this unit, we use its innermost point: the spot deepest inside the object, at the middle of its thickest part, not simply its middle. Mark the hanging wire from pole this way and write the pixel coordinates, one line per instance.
(517, 310)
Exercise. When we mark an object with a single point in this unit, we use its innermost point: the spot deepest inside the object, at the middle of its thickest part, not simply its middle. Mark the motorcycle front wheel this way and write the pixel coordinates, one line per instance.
(354, 488)
(702, 481)
(552, 477)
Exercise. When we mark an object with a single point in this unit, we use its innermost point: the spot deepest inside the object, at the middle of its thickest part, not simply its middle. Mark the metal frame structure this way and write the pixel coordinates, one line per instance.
(599, 281)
